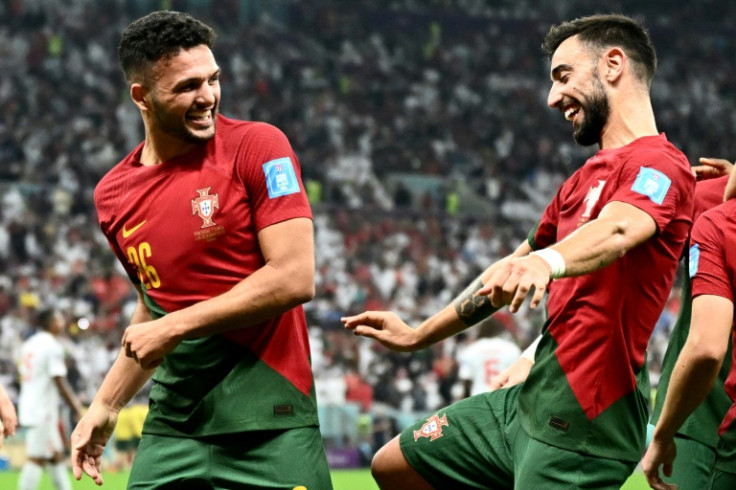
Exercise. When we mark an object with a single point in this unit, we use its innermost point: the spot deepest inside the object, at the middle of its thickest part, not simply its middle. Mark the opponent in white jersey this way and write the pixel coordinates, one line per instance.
(491, 352)
(43, 384)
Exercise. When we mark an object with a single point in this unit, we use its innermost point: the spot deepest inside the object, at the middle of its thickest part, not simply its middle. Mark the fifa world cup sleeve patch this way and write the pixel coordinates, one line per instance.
(652, 183)
(280, 177)
(693, 259)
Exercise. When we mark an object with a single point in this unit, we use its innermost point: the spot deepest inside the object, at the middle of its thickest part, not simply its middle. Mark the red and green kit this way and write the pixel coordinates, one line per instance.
(186, 230)
(588, 391)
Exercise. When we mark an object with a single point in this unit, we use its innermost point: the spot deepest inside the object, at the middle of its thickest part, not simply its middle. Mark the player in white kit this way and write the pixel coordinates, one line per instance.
(43, 383)
(491, 352)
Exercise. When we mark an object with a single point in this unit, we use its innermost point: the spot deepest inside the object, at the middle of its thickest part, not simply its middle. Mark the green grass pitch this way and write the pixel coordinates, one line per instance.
(342, 480)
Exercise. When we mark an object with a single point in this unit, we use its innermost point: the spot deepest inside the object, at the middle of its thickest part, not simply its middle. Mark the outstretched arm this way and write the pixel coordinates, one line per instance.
(467, 309)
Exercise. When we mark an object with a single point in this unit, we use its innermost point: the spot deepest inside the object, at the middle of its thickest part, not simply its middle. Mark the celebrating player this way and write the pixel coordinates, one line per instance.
(210, 219)
(606, 250)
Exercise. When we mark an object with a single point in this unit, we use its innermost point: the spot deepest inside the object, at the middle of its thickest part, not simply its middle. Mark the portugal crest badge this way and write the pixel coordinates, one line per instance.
(204, 206)
(432, 428)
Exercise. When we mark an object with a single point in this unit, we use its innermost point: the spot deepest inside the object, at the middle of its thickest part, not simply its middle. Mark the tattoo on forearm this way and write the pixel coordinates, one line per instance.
(473, 308)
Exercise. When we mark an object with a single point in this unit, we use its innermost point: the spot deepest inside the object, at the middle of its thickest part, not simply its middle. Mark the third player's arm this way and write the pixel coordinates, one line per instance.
(692, 379)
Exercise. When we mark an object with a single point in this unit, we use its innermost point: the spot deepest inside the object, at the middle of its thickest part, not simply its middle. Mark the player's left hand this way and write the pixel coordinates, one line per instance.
(512, 281)
(385, 327)
(711, 168)
(659, 454)
(147, 343)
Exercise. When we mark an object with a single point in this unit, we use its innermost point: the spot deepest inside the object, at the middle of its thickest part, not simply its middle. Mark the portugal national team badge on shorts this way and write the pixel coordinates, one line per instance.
(432, 428)
(204, 206)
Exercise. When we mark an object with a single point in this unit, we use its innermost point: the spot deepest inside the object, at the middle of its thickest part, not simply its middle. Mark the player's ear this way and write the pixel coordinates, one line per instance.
(614, 61)
(138, 95)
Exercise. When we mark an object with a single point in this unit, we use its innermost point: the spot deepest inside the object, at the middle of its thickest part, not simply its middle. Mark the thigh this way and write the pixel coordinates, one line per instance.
(284, 459)
(723, 475)
(465, 445)
(539, 465)
(169, 463)
(720, 480)
(692, 465)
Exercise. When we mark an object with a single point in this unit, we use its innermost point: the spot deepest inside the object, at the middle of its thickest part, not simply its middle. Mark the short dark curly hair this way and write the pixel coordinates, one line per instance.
(159, 35)
(606, 30)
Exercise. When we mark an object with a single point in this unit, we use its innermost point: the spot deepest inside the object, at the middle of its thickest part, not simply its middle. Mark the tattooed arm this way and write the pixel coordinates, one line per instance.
(469, 308)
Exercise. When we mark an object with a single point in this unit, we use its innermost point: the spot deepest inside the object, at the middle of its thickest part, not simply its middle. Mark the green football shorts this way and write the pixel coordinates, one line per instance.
(478, 443)
(723, 475)
(292, 459)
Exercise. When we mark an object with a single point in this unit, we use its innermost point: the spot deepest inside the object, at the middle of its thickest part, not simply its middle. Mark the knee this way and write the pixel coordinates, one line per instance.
(383, 466)
(379, 463)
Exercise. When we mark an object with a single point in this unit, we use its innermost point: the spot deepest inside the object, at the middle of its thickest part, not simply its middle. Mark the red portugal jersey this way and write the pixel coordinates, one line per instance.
(713, 272)
(589, 389)
(186, 230)
(702, 424)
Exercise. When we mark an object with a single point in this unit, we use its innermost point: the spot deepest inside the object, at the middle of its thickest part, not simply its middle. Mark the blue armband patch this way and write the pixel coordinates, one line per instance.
(280, 177)
(652, 183)
(693, 259)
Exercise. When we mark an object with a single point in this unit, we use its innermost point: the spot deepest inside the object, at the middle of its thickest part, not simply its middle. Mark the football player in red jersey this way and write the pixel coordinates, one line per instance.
(606, 250)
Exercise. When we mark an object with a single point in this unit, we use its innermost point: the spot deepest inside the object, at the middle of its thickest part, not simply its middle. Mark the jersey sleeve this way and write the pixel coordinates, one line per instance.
(271, 174)
(655, 184)
(708, 268)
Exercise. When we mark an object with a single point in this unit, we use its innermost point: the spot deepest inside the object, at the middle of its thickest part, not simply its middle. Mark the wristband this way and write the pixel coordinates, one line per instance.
(554, 259)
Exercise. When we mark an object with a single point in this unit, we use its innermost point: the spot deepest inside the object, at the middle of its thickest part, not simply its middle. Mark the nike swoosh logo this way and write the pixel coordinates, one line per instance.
(127, 233)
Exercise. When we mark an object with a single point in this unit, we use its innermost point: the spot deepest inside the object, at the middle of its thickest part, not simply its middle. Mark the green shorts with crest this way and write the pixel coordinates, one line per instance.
(478, 443)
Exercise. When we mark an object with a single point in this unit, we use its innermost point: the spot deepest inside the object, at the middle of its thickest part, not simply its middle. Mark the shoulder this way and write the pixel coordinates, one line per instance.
(113, 183)
(238, 129)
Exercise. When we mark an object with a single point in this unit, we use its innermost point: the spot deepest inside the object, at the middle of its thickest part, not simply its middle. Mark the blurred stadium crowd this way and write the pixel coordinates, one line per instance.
(426, 147)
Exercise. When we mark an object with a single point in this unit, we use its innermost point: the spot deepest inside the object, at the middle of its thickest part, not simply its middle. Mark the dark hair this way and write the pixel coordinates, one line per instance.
(491, 327)
(158, 35)
(45, 317)
(602, 31)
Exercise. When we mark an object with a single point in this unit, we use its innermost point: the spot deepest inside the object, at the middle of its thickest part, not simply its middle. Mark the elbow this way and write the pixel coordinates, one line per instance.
(707, 354)
(306, 293)
(299, 289)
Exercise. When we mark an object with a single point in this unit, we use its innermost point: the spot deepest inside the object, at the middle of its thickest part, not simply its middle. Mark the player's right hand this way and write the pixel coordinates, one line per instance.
(89, 439)
(384, 326)
(659, 454)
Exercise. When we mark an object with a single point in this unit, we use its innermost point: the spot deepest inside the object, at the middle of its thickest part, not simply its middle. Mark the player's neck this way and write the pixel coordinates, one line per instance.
(161, 148)
(632, 119)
